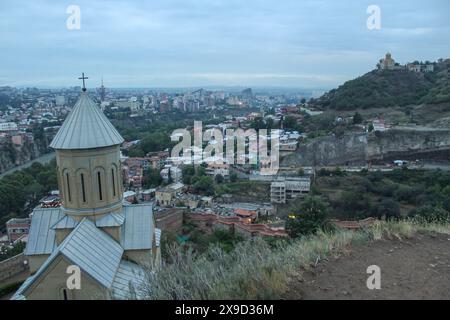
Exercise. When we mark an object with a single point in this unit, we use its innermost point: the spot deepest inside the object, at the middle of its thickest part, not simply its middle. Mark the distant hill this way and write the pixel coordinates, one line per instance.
(387, 88)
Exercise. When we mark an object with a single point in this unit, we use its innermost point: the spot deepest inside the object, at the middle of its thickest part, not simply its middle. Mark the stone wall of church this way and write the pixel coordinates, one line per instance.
(90, 179)
(36, 261)
(13, 266)
(51, 284)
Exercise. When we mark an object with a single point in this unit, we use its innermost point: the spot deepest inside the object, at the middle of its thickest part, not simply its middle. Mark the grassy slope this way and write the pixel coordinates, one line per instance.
(255, 270)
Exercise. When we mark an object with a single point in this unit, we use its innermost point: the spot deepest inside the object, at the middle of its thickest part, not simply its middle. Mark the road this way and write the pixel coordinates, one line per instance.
(46, 158)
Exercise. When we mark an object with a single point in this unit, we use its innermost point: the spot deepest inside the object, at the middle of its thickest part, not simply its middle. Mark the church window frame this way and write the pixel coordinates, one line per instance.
(66, 185)
(99, 186)
(83, 188)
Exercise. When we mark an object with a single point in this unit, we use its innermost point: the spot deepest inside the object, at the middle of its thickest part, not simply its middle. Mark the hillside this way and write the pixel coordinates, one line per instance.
(258, 269)
(388, 88)
(411, 268)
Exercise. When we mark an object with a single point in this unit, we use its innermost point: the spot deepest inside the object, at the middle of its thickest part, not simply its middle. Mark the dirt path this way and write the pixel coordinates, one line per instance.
(417, 268)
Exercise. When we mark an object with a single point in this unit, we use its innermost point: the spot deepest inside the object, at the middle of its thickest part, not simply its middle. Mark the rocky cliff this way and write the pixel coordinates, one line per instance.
(12, 155)
(358, 148)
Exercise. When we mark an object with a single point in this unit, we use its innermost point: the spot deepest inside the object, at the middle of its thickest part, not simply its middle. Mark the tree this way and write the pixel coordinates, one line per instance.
(310, 217)
(431, 214)
(357, 118)
(219, 179)
(7, 252)
(204, 184)
(258, 123)
(233, 177)
(389, 208)
(371, 127)
(446, 191)
(201, 171)
(169, 176)
(152, 178)
(290, 123)
(355, 204)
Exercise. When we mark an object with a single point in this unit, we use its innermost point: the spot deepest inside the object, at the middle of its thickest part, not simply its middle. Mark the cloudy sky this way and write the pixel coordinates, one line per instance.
(176, 43)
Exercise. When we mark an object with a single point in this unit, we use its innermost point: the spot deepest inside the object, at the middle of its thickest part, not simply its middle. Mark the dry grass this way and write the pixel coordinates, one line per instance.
(255, 270)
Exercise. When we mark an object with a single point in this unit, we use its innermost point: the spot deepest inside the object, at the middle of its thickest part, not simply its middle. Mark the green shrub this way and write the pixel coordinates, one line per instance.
(311, 217)
(10, 288)
(430, 214)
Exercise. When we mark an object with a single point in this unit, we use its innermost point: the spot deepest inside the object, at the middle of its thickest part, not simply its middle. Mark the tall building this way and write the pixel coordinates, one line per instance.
(102, 92)
(110, 242)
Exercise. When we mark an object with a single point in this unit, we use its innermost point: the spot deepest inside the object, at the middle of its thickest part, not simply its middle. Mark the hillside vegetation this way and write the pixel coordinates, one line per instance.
(257, 269)
(388, 88)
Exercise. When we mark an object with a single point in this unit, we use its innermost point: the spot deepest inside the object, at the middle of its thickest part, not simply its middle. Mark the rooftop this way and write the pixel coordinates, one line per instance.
(86, 127)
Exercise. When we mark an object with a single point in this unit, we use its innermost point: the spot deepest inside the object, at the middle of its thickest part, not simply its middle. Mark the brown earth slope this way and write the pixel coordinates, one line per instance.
(417, 268)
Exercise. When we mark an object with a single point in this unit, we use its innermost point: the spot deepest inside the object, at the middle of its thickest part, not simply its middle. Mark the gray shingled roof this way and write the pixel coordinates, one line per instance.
(86, 127)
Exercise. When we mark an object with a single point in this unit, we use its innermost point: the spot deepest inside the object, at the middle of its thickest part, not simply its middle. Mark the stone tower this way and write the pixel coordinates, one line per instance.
(88, 162)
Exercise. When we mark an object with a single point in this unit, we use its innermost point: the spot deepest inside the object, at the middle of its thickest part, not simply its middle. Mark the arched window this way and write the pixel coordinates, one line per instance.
(99, 179)
(69, 195)
(83, 189)
(113, 177)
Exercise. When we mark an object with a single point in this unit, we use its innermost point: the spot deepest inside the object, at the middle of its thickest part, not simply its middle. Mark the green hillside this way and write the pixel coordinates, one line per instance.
(387, 88)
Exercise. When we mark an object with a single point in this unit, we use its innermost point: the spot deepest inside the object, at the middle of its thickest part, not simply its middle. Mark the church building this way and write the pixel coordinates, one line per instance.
(111, 242)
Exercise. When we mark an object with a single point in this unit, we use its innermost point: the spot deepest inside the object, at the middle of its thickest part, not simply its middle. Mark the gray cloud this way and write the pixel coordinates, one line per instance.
(219, 42)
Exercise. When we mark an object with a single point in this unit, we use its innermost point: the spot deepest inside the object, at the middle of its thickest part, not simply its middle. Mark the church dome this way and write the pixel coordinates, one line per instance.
(86, 127)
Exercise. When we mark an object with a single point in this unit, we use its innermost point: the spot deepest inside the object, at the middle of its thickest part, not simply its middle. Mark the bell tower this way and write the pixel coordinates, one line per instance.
(88, 161)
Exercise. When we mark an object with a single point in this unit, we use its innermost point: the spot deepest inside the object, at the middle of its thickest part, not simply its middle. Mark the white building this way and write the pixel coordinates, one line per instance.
(175, 173)
(380, 125)
(287, 188)
(8, 126)
(214, 169)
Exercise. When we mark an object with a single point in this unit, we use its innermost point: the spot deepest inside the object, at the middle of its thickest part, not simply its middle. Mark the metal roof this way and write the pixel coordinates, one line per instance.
(91, 249)
(18, 295)
(114, 219)
(66, 222)
(129, 279)
(157, 236)
(137, 231)
(94, 251)
(41, 239)
(86, 127)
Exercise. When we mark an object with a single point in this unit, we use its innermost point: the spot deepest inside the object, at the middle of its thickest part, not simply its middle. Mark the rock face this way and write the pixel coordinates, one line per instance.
(12, 156)
(358, 148)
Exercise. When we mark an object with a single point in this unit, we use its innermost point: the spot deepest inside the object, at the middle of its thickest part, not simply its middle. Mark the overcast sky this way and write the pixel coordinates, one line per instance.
(176, 43)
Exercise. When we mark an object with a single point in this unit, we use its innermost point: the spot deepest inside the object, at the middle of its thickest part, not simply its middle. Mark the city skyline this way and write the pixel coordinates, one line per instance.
(175, 44)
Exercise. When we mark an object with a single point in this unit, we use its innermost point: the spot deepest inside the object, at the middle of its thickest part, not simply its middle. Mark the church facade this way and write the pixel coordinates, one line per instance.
(112, 243)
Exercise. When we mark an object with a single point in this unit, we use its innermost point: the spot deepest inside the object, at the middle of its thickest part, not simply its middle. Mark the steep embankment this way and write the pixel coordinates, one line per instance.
(354, 148)
(12, 156)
